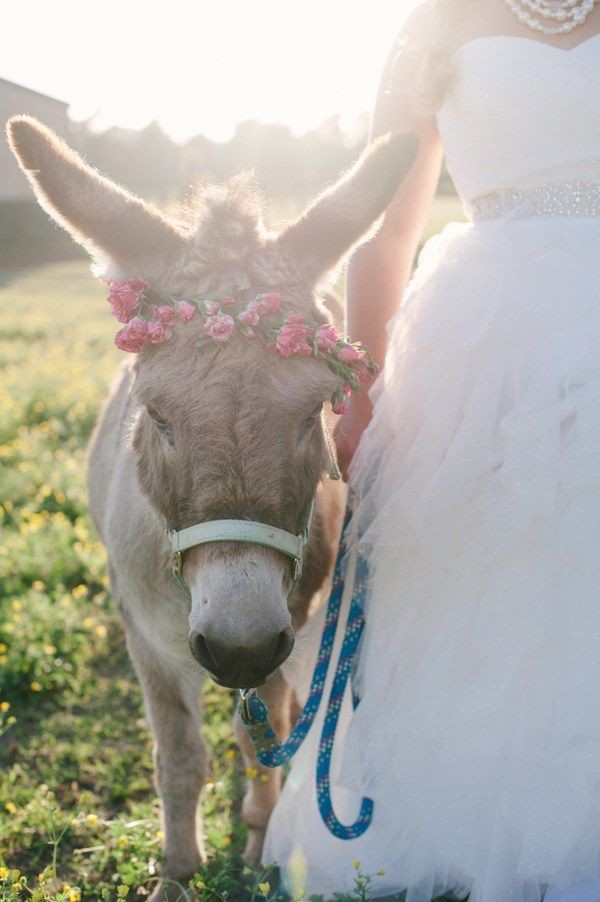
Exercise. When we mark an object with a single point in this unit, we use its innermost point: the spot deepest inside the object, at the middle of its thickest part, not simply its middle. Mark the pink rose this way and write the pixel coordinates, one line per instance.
(326, 337)
(123, 300)
(295, 317)
(124, 297)
(291, 339)
(166, 314)
(219, 327)
(269, 302)
(350, 354)
(133, 336)
(363, 373)
(186, 311)
(158, 332)
(340, 403)
(136, 285)
(251, 314)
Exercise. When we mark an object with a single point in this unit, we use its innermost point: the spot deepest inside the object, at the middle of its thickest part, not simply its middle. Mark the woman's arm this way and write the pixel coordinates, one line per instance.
(379, 270)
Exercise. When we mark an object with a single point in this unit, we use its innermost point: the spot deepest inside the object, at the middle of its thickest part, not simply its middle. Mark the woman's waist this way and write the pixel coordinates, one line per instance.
(575, 198)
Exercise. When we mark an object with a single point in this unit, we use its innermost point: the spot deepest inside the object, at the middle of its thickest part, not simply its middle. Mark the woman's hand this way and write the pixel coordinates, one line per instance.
(349, 429)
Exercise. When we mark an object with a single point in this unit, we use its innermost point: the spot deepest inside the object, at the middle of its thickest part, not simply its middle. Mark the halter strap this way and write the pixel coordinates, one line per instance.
(240, 531)
(237, 531)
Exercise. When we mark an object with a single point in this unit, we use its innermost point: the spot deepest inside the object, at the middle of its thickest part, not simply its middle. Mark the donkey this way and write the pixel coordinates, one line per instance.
(195, 431)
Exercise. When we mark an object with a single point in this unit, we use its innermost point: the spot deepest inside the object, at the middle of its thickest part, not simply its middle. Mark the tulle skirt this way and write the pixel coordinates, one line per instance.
(478, 731)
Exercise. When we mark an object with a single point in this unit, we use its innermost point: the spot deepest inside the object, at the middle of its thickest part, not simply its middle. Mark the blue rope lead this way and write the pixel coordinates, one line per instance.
(354, 628)
(255, 716)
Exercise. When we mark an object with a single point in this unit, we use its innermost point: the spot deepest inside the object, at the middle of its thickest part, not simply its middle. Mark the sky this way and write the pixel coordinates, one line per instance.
(199, 66)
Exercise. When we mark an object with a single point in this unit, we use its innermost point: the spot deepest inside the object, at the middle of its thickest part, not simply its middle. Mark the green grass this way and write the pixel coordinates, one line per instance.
(78, 814)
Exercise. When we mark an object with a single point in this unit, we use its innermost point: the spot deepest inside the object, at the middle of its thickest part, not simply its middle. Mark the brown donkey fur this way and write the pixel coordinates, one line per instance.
(195, 430)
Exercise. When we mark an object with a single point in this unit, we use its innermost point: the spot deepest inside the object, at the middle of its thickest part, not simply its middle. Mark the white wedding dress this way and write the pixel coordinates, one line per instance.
(478, 732)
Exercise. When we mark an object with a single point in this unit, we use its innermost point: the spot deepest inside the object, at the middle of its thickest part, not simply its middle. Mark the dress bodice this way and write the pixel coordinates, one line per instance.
(521, 113)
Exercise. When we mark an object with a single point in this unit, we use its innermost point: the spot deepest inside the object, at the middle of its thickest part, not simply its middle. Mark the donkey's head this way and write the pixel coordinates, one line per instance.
(223, 430)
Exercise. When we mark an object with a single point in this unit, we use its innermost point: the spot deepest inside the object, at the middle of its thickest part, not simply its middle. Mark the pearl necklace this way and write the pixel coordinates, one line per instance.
(567, 14)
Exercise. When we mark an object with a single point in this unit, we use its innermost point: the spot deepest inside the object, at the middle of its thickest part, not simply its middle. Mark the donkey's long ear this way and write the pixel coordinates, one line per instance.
(97, 212)
(343, 214)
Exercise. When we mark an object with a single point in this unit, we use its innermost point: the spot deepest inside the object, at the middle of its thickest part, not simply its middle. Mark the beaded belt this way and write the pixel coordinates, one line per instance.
(577, 198)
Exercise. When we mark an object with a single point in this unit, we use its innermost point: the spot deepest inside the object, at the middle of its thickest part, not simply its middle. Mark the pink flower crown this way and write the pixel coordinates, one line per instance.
(287, 334)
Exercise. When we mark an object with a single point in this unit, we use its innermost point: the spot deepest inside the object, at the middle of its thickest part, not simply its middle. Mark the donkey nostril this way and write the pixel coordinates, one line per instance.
(201, 651)
(285, 643)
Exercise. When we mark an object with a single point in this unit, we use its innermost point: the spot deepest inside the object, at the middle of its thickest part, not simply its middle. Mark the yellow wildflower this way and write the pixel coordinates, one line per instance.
(11, 807)
(35, 686)
(4, 706)
(11, 720)
(79, 591)
(16, 605)
(122, 890)
(3, 648)
(381, 873)
(88, 622)
(92, 819)
(123, 841)
(3, 873)
(230, 754)
(160, 835)
(101, 631)
(251, 773)
(356, 864)
(38, 585)
(74, 895)
(226, 841)
(265, 888)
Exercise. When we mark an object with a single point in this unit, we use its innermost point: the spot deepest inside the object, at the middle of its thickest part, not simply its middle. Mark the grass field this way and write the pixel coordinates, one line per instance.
(78, 814)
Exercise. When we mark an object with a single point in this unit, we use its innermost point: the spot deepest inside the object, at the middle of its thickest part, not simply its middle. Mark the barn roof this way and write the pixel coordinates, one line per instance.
(14, 84)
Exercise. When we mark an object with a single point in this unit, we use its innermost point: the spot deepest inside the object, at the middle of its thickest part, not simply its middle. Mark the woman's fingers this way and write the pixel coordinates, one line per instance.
(344, 449)
(347, 434)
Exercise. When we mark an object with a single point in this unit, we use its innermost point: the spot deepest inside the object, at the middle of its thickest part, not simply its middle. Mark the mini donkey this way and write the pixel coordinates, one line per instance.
(195, 431)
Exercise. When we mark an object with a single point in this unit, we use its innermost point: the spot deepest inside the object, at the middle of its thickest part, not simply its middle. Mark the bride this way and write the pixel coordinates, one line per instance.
(478, 479)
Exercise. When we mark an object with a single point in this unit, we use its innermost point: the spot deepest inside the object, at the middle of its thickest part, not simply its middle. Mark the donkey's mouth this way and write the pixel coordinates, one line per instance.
(241, 680)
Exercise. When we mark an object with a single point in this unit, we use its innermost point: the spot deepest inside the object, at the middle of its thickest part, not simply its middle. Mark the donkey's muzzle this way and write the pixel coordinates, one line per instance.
(240, 666)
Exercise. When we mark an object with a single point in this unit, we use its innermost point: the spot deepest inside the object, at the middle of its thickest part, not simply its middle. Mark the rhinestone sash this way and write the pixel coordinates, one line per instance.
(576, 198)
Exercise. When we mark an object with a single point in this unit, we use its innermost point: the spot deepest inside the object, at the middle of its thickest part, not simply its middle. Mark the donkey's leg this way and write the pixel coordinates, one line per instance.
(263, 788)
(172, 703)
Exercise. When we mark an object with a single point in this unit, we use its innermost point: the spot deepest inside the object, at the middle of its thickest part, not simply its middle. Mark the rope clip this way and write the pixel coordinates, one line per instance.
(244, 709)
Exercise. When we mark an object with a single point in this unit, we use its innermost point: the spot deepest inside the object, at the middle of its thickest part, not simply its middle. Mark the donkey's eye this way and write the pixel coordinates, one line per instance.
(161, 425)
(313, 418)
